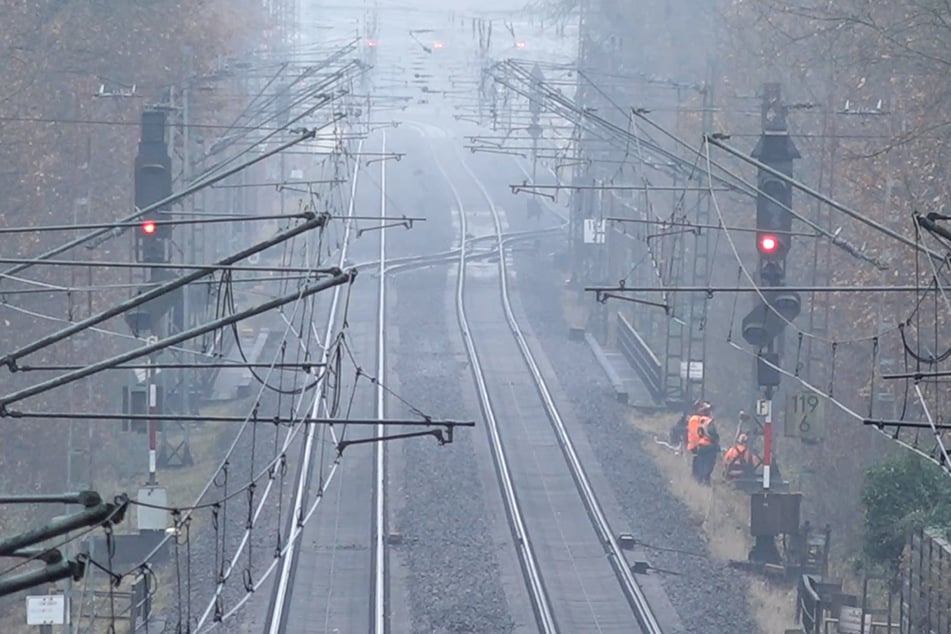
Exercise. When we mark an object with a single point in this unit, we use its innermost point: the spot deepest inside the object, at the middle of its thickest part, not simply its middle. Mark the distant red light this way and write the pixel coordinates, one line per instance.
(148, 227)
(768, 244)
(371, 43)
(439, 44)
(521, 44)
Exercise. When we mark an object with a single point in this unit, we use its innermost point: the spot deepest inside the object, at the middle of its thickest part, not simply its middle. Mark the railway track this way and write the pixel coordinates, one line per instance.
(278, 608)
(544, 615)
(277, 613)
(497, 244)
(531, 569)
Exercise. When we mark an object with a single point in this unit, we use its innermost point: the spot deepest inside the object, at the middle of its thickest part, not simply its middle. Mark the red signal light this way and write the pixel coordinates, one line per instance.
(371, 43)
(148, 227)
(521, 44)
(768, 244)
(438, 44)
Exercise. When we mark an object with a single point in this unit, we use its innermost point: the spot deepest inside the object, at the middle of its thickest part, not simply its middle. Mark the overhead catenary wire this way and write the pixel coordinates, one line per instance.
(11, 358)
(278, 449)
(75, 375)
(745, 187)
(169, 200)
(936, 286)
(326, 82)
(753, 190)
(755, 285)
(855, 215)
(291, 431)
(841, 406)
(157, 223)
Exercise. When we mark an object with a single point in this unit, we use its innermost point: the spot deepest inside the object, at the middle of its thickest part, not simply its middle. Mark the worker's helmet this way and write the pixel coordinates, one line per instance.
(704, 407)
(741, 439)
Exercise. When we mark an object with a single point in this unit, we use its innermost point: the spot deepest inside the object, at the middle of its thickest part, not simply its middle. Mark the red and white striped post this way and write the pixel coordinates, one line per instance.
(767, 441)
(153, 424)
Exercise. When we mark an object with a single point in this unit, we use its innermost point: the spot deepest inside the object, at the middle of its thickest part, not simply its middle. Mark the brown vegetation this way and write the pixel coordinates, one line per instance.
(888, 60)
(871, 115)
(66, 154)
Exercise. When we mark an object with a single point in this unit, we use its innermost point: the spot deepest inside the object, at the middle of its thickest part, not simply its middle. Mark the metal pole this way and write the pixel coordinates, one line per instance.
(70, 449)
(188, 378)
(157, 291)
(62, 525)
(91, 369)
(48, 574)
(283, 178)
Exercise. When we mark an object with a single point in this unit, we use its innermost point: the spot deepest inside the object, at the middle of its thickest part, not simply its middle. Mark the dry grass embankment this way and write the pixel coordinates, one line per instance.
(722, 515)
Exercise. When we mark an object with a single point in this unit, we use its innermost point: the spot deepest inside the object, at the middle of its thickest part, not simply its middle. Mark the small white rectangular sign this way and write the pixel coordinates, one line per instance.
(593, 231)
(850, 620)
(692, 370)
(47, 609)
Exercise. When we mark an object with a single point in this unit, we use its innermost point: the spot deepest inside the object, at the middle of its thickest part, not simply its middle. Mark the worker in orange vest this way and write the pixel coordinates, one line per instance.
(701, 409)
(739, 461)
(708, 449)
(702, 413)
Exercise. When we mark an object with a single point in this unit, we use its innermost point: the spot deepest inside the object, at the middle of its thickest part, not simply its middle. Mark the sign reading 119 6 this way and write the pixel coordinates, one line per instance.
(805, 416)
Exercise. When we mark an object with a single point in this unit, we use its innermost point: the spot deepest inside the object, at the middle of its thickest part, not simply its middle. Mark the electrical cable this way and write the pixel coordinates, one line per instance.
(281, 546)
(756, 287)
(221, 572)
(240, 348)
(223, 467)
(840, 405)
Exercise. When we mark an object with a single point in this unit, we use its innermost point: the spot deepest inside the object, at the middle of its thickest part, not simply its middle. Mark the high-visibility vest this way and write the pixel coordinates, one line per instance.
(704, 437)
(693, 431)
(738, 461)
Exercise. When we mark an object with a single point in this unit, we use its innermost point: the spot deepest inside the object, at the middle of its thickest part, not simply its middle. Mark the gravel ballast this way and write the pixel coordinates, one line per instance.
(454, 581)
(450, 548)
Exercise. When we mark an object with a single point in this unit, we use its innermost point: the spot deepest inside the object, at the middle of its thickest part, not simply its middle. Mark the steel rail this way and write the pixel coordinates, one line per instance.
(277, 612)
(544, 615)
(633, 592)
(379, 449)
(411, 262)
(379, 615)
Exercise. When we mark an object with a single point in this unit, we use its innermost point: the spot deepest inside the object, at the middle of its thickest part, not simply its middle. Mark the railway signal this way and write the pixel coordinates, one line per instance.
(768, 245)
(151, 244)
(775, 306)
(153, 182)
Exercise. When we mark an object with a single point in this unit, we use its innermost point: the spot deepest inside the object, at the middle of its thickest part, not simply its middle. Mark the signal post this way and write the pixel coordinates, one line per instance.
(776, 307)
(153, 182)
